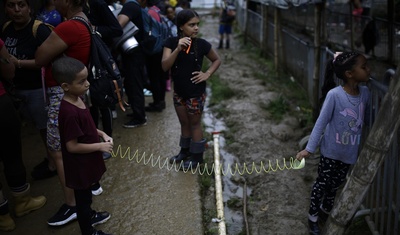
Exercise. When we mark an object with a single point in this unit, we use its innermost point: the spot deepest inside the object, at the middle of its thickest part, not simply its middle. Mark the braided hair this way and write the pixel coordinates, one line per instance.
(337, 66)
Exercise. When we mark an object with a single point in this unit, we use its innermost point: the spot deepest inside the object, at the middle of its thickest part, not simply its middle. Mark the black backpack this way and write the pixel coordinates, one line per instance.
(104, 75)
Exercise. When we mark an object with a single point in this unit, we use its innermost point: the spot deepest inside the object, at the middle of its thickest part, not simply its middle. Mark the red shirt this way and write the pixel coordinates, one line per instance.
(2, 90)
(77, 37)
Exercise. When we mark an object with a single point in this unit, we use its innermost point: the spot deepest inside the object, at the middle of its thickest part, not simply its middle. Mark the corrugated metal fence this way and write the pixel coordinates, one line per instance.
(382, 204)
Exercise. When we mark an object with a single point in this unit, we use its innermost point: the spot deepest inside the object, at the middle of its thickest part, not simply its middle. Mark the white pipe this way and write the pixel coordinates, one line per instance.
(218, 186)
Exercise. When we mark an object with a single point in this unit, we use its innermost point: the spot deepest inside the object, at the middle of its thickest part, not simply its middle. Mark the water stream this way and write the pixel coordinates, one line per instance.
(234, 218)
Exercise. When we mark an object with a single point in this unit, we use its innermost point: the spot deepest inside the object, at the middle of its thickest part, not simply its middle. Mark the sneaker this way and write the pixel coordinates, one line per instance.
(97, 190)
(63, 216)
(314, 229)
(114, 114)
(106, 156)
(43, 173)
(99, 232)
(147, 92)
(135, 123)
(100, 218)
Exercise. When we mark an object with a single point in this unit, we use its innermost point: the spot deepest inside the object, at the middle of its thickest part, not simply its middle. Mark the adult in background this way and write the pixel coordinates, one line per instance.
(22, 35)
(11, 152)
(155, 73)
(133, 64)
(70, 38)
(105, 23)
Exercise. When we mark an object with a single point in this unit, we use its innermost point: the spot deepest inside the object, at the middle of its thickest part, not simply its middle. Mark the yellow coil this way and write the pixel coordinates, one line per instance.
(240, 169)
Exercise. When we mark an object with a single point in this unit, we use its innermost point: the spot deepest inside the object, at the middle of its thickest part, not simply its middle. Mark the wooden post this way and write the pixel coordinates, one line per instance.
(317, 54)
(369, 161)
(276, 37)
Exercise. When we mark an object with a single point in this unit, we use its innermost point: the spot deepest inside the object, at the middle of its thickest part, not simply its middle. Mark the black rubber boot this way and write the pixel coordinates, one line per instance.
(314, 229)
(184, 143)
(221, 44)
(227, 44)
(196, 154)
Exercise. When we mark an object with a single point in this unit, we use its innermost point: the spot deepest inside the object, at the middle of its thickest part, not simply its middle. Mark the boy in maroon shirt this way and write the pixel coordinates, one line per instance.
(81, 143)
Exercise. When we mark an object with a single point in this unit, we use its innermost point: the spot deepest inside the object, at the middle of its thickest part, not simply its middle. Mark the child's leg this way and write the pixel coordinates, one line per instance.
(319, 188)
(337, 177)
(186, 134)
(84, 211)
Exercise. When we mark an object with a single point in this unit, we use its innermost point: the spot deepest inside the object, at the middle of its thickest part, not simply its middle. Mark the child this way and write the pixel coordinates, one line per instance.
(226, 18)
(184, 56)
(340, 124)
(80, 143)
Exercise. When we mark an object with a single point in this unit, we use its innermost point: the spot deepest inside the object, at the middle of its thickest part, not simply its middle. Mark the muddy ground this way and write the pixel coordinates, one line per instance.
(145, 199)
(278, 202)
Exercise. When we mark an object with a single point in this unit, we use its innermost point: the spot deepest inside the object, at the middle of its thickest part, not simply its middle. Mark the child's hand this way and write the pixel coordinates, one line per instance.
(199, 77)
(302, 154)
(184, 43)
(106, 147)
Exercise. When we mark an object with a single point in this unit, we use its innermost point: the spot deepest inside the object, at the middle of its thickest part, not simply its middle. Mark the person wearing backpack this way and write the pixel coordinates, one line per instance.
(155, 73)
(133, 64)
(105, 23)
(22, 35)
(70, 38)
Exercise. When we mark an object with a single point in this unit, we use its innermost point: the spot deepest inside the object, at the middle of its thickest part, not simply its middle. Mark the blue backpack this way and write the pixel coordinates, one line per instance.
(154, 34)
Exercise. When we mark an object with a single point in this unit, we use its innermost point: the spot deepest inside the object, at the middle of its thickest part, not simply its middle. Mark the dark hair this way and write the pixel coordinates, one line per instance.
(27, 2)
(337, 66)
(65, 69)
(184, 16)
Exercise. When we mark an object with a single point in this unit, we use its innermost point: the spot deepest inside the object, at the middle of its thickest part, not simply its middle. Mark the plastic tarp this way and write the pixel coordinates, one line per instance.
(285, 4)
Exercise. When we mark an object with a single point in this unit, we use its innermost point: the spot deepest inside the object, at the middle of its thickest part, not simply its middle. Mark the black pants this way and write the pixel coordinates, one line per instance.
(157, 77)
(10, 144)
(331, 174)
(84, 211)
(106, 118)
(133, 65)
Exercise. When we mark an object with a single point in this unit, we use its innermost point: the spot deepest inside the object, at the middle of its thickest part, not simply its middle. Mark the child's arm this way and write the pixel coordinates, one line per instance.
(169, 56)
(104, 136)
(199, 76)
(74, 147)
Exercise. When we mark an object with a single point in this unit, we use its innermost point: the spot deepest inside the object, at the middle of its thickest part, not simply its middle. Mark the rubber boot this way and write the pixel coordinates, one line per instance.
(25, 203)
(6, 222)
(196, 154)
(184, 143)
(227, 44)
(221, 44)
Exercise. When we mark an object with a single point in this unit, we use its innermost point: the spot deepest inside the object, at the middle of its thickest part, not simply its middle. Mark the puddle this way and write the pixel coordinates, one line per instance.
(234, 218)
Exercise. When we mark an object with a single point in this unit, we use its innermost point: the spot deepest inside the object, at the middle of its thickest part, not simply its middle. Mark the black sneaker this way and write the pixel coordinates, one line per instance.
(100, 217)
(43, 173)
(314, 229)
(63, 216)
(99, 232)
(135, 123)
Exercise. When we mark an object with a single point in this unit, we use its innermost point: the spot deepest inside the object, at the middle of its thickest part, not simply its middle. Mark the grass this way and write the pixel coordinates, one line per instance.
(220, 90)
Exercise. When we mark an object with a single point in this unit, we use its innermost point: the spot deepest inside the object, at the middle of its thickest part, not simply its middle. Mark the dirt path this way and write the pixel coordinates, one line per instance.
(279, 201)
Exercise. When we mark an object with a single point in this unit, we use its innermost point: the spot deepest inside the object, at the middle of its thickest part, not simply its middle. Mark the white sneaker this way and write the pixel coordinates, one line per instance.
(97, 191)
(114, 114)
